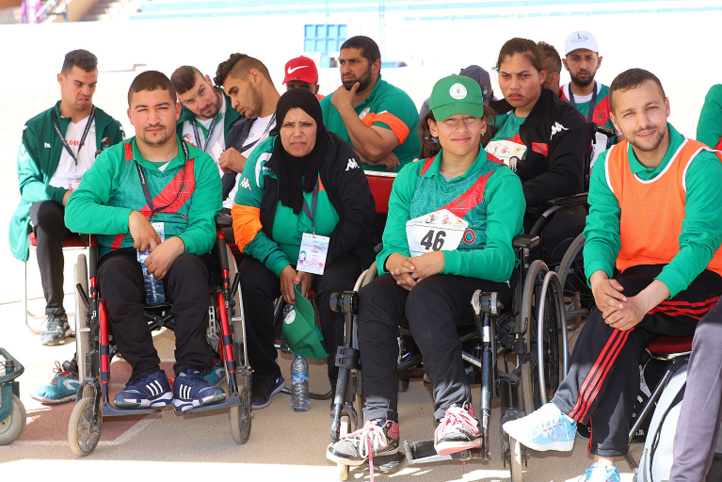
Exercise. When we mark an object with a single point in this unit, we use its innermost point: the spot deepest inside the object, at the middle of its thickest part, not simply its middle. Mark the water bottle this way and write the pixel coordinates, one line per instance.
(299, 385)
(154, 292)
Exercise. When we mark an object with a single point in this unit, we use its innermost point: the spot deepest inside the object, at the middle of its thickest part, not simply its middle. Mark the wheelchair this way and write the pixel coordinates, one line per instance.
(94, 351)
(529, 338)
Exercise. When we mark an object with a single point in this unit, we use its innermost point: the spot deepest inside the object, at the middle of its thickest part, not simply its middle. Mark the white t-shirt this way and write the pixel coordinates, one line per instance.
(69, 172)
(258, 133)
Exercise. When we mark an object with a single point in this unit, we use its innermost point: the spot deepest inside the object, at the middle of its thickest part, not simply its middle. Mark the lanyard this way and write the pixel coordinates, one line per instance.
(263, 135)
(74, 155)
(199, 141)
(312, 211)
(146, 190)
(592, 104)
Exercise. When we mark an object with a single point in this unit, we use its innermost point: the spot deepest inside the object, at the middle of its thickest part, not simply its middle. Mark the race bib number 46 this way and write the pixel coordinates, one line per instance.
(438, 231)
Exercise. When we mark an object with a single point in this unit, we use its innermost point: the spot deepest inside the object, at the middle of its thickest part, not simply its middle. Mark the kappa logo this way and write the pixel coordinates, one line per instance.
(245, 184)
(557, 128)
(292, 70)
(352, 164)
(47, 145)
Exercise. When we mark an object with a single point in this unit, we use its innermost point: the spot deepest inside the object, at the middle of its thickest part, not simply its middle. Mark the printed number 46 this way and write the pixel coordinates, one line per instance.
(431, 242)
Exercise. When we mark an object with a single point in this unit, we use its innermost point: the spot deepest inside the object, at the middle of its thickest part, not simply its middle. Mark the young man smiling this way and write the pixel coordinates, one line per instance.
(653, 262)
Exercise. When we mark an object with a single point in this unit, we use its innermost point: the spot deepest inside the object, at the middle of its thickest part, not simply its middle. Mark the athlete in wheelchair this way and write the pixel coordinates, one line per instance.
(463, 198)
(153, 178)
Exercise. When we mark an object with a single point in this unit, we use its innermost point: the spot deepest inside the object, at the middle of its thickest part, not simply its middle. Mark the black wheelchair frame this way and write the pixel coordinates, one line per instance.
(95, 351)
(537, 313)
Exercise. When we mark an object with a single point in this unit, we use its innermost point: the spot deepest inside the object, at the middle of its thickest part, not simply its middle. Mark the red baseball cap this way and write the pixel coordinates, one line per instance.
(301, 68)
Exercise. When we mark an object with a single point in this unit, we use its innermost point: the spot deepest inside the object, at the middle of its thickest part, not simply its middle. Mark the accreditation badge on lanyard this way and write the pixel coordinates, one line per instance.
(314, 248)
(440, 230)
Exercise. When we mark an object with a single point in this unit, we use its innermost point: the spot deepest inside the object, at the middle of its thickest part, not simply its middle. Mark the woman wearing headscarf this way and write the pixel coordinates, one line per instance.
(303, 179)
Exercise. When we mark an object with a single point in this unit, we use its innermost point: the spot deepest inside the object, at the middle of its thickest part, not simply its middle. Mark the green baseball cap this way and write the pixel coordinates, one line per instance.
(456, 94)
(301, 332)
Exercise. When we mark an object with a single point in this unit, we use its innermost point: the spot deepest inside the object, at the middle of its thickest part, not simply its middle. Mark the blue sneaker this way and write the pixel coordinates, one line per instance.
(62, 388)
(600, 473)
(263, 389)
(544, 429)
(192, 391)
(216, 373)
(149, 391)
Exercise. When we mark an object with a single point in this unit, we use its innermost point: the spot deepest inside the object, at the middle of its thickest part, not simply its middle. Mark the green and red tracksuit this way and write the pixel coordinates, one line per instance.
(187, 193)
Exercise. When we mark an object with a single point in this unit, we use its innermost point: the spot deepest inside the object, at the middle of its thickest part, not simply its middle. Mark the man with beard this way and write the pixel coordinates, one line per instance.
(655, 204)
(158, 194)
(207, 119)
(378, 119)
(583, 92)
(248, 84)
(58, 146)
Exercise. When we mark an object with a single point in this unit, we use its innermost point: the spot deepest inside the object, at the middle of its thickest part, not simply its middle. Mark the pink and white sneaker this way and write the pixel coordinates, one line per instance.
(457, 431)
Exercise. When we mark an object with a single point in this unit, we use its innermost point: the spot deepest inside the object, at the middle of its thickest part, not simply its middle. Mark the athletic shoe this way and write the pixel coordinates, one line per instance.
(191, 391)
(457, 431)
(56, 330)
(149, 391)
(600, 473)
(263, 389)
(377, 438)
(216, 373)
(544, 429)
(62, 388)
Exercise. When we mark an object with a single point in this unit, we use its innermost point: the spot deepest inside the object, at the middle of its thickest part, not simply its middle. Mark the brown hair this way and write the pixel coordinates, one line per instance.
(81, 59)
(527, 48)
(630, 79)
(239, 66)
(184, 78)
(151, 80)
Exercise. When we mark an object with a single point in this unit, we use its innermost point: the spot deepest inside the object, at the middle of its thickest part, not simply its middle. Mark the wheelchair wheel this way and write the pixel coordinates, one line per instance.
(13, 425)
(83, 431)
(551, 346)
(82, 323)
(344, 429)
(241, 417)
(578, 298)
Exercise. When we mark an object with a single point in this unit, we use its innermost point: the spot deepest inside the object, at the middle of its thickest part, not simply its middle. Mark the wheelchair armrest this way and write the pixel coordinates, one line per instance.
(580, 198)
(224, 220)
(525, 241)
(607, 131)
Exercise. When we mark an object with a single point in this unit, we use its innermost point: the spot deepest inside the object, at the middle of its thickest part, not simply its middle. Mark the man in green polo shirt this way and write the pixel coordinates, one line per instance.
(379, 120)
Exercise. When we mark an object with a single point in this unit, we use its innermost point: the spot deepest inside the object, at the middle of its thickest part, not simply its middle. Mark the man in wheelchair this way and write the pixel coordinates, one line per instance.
(156, 178)
(655, 204)
(451, 222)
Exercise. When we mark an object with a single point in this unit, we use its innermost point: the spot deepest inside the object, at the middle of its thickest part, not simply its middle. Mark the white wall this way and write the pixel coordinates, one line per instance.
(681, 48)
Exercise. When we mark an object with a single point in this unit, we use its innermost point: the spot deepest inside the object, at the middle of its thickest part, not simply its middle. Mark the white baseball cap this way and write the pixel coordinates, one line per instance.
(581, 40)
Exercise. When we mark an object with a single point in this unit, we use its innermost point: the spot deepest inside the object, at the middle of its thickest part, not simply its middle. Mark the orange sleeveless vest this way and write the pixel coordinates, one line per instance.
(652, 211)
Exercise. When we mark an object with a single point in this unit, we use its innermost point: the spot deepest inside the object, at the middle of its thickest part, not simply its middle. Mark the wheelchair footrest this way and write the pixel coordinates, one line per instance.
(423, 452)
(388, 464)
(111, 411)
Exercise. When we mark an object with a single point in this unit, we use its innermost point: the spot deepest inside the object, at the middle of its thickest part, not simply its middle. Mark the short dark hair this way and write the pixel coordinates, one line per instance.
(369, 48)
(550, 57)
(81, 59)
(151, 80)
(630, 79)
(525, 47)
(184, 78)
(239, 66)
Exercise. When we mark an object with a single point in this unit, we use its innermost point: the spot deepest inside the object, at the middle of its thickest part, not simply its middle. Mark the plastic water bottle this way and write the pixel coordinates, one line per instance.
(299, 385)
(154, 292)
